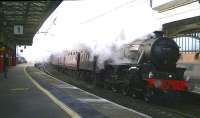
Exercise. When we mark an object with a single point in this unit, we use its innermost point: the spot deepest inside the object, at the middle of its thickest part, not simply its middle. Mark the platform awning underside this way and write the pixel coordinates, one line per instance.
(29, 14)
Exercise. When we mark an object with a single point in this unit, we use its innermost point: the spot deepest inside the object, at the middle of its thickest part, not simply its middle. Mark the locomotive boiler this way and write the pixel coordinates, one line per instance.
(156, 72)
(151, 73)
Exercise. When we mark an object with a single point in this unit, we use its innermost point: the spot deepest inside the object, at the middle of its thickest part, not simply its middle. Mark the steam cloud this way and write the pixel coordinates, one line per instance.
(103, 34)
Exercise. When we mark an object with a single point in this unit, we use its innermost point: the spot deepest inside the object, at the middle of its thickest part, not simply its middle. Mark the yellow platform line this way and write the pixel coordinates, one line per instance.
(142, 114)
(64, 107)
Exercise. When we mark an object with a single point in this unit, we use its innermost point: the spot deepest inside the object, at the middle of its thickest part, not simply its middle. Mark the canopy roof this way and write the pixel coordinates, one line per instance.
(26, 16)
(173, 4)
(188, 25)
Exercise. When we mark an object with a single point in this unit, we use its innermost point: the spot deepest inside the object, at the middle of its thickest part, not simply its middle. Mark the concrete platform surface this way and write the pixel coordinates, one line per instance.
(85, 104)
(19, 98)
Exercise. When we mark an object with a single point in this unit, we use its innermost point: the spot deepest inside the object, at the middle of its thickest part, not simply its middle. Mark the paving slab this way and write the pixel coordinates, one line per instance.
(19, 98)
(85, 104)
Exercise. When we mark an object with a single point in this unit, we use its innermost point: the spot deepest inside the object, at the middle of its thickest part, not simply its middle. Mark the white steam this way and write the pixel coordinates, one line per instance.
(100, 25)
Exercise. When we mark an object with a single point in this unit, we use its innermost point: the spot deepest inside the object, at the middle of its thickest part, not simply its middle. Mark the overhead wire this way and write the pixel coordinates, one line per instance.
(53, 23)
(108, 12)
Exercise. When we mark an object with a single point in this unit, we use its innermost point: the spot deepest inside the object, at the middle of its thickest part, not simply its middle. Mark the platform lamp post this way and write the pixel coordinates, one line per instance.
(2, 34)
(5, 52)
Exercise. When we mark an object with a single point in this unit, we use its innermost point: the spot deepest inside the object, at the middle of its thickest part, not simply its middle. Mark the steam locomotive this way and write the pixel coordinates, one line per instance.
(151, 73)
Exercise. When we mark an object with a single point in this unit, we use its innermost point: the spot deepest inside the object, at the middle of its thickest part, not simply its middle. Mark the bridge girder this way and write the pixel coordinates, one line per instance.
(184, 26)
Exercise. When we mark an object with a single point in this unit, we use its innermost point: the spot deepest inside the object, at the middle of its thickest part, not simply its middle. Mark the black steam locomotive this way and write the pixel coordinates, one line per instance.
(152, 72)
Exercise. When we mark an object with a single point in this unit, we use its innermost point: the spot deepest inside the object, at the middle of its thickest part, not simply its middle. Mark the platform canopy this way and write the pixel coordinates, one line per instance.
(188, 25)
(20, 20)
(172, 5)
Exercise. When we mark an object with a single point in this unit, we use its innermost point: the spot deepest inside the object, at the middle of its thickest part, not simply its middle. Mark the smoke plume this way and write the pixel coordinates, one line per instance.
(101, 26)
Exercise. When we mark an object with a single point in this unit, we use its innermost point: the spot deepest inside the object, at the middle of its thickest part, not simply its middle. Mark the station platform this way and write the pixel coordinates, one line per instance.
(19, 98)
(29, 92)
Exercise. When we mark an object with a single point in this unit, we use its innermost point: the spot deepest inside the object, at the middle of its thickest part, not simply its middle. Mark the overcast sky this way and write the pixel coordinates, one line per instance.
(99, 23)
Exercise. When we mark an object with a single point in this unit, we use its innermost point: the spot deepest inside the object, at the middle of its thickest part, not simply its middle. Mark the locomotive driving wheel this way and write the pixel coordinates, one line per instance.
(124, 89)
(136, 94)
(136, 86)
(148, 95)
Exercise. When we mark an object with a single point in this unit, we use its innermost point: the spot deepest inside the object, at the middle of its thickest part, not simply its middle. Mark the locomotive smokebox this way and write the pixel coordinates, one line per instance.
(161, 51)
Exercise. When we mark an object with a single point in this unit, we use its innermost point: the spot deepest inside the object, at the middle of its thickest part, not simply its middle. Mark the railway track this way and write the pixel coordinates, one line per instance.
(188, 108)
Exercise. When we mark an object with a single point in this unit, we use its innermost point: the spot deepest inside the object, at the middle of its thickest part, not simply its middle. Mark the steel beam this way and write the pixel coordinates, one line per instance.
(173, 4)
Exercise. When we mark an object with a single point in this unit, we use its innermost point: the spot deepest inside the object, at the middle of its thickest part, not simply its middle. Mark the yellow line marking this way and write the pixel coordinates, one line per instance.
(120, 106)
(64, 107)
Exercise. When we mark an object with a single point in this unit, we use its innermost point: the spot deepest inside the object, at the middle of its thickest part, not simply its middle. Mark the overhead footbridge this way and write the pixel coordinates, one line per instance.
(186, 33)
(181, 20)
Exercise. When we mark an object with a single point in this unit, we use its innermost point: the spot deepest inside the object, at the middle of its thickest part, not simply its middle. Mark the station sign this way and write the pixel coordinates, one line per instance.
(18, 29)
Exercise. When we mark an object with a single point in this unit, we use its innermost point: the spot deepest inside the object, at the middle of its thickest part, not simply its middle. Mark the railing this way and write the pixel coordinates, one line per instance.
(188, 43)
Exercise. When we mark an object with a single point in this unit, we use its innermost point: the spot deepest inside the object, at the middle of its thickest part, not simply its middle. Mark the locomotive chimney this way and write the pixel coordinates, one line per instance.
(159, 33)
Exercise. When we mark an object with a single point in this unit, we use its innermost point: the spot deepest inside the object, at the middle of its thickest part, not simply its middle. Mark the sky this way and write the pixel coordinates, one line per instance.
(99, 25)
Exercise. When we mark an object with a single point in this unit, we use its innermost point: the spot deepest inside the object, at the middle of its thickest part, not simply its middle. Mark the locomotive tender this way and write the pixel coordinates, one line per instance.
(153, 70)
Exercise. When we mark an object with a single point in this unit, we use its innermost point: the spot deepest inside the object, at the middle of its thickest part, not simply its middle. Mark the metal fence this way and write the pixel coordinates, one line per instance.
(188, 43)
